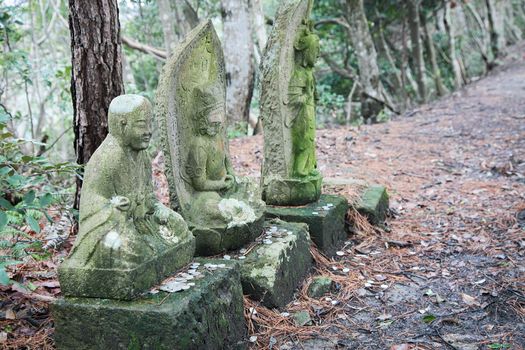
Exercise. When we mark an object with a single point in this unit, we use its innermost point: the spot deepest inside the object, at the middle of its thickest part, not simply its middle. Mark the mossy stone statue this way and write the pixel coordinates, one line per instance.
(224, 211)
(127, 240)
(288, 99)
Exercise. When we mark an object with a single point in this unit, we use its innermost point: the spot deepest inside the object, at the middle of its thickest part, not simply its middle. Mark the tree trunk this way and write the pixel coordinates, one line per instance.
(417, 48)
(187, 17)
(367, 60)
(454, 61)
(394, 71)
(238, 54)
(497, 36)
(168, 25)
(436, 72)
(259, 25)
(96, 76)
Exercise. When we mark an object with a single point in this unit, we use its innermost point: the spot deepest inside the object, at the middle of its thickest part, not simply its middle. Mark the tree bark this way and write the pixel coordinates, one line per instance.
(96, 76)
(436, 72)
(238, 54)
(417, 48)
(167, 21)
(495, 28)
(453, 54)
(186, 15)
(367, 60)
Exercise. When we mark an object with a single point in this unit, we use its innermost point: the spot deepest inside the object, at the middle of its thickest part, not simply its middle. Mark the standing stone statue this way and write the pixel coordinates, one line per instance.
(288, 99)
(224, 211)
(127, 241)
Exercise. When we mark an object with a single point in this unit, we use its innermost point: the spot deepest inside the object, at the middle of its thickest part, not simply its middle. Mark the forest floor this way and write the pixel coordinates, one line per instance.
(447, 271)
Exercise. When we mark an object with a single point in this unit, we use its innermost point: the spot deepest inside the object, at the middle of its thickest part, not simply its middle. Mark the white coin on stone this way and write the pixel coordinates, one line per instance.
(227, 257)
(221, 266)
(242, 257)
(340, 253)
(346, 270)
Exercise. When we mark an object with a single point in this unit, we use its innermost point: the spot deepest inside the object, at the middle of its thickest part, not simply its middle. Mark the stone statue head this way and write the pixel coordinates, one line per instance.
(129, 121)
(307, 46)
(210, 112)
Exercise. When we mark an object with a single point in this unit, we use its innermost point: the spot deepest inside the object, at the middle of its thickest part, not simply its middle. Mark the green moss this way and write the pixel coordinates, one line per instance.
(327, 227)
(374, 204)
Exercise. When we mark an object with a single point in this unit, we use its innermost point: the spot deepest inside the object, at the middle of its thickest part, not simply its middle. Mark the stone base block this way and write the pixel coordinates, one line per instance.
(374, 204)
(293, 191)
(213, 241)
(209, 315)
(273, 270)
(325, 219)
(124, 284)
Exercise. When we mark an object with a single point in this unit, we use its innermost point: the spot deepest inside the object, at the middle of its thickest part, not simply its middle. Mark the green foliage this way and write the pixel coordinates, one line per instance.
(26, 192)
(330, 106)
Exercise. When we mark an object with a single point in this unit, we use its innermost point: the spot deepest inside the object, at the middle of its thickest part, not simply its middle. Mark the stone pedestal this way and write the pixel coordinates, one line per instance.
(374, 204)
(207, 316)
(272, 271)
(124, 284)
(325, 219)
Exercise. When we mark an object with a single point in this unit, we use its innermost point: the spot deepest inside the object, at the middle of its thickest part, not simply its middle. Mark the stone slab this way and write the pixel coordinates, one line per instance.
(374, 204)
(327, 226)
(207, 316)
(213, 241)
(124, 284)
(272, 271)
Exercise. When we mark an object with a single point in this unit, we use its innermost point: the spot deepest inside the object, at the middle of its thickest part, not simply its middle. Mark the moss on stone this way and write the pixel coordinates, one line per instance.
(327, 227)
(207, 316)
(272, 272)
(374, 204)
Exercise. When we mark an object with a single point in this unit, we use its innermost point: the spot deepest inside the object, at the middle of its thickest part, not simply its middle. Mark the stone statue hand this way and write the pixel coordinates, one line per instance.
(121, 203)
(229, 181)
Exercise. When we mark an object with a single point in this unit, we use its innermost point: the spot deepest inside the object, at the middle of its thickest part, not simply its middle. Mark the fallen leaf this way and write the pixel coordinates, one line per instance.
(10, 314)
(469, 300)
(399, 347)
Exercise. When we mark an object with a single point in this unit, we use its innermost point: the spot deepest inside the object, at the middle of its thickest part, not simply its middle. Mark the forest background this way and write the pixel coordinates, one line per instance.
(378, 59)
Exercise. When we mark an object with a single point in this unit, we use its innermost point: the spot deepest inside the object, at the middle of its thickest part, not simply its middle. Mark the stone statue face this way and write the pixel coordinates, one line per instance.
(311, 54)
(137, 131)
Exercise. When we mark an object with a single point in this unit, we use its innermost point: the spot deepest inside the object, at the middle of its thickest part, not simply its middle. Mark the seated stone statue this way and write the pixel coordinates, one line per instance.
(127, 239)
(220, 197)
(223, 211)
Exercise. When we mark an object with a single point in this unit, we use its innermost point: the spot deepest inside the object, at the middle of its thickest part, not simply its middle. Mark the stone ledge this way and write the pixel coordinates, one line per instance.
(272, 272)
(207, 316)
(327, 226)
(124, 284)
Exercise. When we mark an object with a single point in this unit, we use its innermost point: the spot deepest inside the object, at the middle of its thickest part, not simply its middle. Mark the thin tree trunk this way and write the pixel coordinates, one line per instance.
(436, 72)
(238, 54)
(168, 25)
(449, 27)
(96, 76)
(395, 71)
(417, 48)
(495, 28)
(367, 60)
(186, 15)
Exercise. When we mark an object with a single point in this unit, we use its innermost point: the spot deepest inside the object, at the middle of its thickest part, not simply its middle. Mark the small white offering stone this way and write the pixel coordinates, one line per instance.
(340, 253)
(227, 257)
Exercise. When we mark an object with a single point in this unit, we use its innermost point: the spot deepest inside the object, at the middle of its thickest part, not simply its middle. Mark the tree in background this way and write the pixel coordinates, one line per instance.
(238, 48)
(96, 72)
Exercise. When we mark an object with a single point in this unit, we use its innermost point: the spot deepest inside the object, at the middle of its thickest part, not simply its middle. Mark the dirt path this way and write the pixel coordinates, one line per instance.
(449, 271)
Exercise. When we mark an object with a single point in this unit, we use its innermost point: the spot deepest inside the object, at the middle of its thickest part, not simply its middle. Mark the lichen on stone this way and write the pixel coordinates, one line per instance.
(236, 212)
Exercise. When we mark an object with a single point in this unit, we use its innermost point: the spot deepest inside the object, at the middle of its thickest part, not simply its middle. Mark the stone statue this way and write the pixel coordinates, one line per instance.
(224, 211)
(288, 98)
(302, 98)
(127, 239)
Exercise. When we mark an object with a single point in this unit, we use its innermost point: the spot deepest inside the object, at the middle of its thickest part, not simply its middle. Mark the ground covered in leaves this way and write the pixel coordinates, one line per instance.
(447, 271)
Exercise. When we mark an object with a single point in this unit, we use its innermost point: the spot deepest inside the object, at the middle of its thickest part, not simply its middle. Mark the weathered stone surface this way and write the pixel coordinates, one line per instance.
(207, 316)
(320, 286)
(374, 204)
(190, 106)
(127, 240)
(302, 318)
(124, 284)
(272, 272)
(288, 101)
(325, 219)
